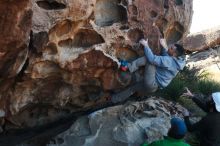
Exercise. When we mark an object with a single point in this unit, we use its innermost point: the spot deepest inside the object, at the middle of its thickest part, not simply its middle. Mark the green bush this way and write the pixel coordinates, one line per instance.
(185, 78)
(174, 89)
(196, 82)
(207, 86)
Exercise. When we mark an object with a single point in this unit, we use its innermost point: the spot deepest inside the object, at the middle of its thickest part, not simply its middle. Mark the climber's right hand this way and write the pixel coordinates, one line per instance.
(144, 43)
(163, 43)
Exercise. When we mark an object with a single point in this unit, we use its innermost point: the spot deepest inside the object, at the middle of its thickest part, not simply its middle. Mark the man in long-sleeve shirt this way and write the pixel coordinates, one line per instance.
(209, 126)
(159, 69)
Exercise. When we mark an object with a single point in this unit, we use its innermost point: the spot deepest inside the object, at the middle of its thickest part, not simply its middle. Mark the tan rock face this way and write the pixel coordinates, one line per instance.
(202, 40)
(74, 48)
(15, 28)
(130, 124)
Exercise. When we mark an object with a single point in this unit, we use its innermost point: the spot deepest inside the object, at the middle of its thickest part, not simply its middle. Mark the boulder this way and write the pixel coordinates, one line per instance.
(61, 56)
(125, 125)
(202, 40)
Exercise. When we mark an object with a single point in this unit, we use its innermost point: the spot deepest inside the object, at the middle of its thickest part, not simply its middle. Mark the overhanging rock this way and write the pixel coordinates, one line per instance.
(61, 56)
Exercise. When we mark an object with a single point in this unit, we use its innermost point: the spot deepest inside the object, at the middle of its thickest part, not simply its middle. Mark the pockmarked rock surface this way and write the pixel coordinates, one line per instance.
(126, 125)
(60, 56)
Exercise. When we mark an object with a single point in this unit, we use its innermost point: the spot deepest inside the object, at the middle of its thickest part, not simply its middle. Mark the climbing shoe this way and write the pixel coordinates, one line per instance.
(124, 65)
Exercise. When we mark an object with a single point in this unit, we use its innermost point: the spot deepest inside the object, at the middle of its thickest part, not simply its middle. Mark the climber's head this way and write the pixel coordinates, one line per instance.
(178, 128)
(176, 50)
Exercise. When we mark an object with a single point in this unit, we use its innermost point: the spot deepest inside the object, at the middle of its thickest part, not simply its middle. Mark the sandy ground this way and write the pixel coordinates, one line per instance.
(207, 61)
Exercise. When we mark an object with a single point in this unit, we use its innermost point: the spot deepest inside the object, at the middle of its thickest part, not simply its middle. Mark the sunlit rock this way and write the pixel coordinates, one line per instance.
(64, 54)
(130, 124)
(202, 40)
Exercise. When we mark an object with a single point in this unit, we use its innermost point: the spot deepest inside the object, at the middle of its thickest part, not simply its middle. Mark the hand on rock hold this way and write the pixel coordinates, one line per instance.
(163, 43)
(144, 43)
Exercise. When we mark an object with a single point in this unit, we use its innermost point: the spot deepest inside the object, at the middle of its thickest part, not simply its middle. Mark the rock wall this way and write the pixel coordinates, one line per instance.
(60, 56)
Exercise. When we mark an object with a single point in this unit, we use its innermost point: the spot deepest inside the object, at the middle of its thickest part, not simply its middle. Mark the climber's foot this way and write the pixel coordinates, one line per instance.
(123, 65)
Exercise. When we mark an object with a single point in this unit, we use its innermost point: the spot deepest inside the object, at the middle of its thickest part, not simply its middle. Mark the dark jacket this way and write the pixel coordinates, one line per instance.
(208, 127)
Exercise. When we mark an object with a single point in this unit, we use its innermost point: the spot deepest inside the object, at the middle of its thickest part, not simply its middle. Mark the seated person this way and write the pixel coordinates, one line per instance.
(209, 126)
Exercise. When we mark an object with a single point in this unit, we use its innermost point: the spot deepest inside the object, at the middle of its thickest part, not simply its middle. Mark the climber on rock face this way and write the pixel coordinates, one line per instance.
(159, 69)
(209, 126)
(175, 135)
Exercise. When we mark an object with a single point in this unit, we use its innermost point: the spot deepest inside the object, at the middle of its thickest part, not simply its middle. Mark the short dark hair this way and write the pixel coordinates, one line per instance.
(179, 49)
